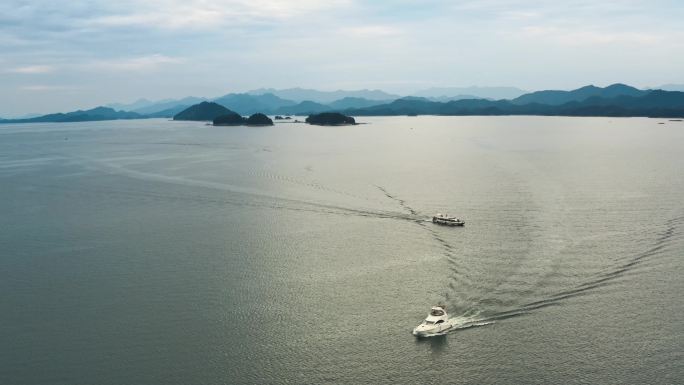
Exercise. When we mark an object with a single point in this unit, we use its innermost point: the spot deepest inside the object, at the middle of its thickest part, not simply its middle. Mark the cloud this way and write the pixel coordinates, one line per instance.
(32, 69)
(142, 63)
(135, 48)
(45, 88)
(577, 37)
(180, 18)
(366, 31)
(199, 14)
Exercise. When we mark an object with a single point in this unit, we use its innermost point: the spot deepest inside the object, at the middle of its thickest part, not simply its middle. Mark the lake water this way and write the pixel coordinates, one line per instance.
(158, 252)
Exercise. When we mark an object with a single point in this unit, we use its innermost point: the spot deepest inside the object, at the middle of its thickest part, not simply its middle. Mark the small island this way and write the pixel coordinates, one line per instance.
(205, 111)
(330, 119)
(234, 119)
(259, 119)
(230, 119)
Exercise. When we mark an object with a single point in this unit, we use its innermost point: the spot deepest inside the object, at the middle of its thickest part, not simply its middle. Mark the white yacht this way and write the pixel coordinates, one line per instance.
(436, 322)
(444, 219)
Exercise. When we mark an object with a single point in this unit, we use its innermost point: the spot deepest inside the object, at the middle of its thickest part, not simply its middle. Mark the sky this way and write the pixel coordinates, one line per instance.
(61, 55)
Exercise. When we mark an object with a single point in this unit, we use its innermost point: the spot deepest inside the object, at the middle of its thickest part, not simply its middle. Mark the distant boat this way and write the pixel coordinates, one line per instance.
(445, 220)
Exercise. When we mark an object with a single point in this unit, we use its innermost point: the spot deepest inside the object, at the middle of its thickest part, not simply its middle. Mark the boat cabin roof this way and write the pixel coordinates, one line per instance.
(437, 311)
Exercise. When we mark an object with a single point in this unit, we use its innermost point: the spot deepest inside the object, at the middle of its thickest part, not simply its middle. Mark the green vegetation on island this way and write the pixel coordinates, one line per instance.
(229, 119)
(234, 119)
(204, 111)
(259, 119)
(330, 119)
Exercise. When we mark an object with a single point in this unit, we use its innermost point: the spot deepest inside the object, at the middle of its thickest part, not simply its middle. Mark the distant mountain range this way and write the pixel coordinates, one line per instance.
(140, 103)
(614, 100)
(95, 114)
(594, 101)
(144, 106)
(556, 98)
(263, 99)
(247, 104)
(324, 97)
(290, 101)
(457, 93)
(670, 87)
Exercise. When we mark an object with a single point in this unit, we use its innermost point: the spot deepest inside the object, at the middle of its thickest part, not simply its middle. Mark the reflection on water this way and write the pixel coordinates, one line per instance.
(437, 343)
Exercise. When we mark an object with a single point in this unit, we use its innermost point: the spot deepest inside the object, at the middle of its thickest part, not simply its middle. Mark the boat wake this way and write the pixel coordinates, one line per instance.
(477, 310)
(239, 195)
(462, 322)
(480, 311)
(661, 243)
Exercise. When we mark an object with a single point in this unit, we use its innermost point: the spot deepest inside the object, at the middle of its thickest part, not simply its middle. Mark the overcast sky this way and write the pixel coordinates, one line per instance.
(63, 55)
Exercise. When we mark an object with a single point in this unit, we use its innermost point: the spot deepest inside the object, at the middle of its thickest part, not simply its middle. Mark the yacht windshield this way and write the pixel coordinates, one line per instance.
(436, 312)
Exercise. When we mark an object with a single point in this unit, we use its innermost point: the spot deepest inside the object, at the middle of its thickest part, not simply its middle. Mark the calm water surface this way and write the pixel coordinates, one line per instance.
(157, 252)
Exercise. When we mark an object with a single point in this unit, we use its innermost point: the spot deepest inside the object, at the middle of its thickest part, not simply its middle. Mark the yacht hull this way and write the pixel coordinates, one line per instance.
(422, 332)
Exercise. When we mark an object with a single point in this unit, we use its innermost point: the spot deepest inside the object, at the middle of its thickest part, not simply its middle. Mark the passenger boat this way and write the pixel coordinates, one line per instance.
(436, 322)
(443, 219)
